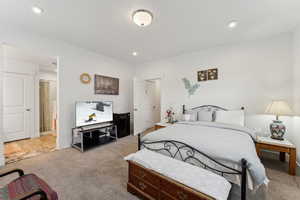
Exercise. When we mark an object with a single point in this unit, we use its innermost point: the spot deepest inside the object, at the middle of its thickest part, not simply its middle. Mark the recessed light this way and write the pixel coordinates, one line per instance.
(142, 17)
(232, 24)
(134, 53)
(37, 10)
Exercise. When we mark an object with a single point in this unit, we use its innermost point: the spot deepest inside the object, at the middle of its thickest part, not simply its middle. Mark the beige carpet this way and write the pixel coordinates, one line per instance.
(101, 173)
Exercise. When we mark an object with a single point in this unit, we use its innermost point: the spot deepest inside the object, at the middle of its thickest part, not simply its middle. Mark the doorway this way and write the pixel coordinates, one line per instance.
(147, 104)
(24, 135)
(48, 114)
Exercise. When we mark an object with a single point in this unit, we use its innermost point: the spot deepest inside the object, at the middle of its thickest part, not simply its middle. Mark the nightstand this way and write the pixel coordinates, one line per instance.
(162, 125)
(284, 146)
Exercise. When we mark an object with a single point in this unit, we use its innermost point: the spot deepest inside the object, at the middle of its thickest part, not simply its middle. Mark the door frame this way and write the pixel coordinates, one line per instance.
(2, 159)
(2, 62)
(153, 81)
(151, 78)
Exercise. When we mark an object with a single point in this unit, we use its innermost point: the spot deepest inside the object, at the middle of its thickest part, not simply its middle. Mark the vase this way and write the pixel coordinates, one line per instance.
(277, 129)
(170, 119)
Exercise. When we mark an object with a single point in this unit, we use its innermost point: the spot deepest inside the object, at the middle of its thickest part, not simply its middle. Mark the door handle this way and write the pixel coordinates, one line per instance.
(135, 109)
(28, 110)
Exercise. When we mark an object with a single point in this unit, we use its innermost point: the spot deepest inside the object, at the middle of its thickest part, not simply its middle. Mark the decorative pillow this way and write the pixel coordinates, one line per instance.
(205, 115)
(231, 117)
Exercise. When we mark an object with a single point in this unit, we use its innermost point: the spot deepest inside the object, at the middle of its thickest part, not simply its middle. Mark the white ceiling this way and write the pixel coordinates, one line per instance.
(179, 26)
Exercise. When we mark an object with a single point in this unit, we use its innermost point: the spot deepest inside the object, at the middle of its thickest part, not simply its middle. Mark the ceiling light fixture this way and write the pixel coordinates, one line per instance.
(232, 24)
(135, 53)
(142, 18)
(37, 10)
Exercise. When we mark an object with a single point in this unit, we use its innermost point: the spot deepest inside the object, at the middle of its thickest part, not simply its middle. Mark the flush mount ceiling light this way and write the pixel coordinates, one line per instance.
(37, 10)
(142, 18)
(134, 53)
(232, 24)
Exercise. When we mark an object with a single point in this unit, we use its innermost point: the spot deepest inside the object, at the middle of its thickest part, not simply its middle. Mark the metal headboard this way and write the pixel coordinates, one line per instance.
(206, 107)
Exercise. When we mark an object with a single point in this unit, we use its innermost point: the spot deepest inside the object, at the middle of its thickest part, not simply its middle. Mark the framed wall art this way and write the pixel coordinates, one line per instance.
(207, 75)
(212, 74)
(202, 75)
(106, 85)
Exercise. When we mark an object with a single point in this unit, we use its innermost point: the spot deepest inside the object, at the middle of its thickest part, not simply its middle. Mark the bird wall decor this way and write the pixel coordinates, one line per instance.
(189, 87)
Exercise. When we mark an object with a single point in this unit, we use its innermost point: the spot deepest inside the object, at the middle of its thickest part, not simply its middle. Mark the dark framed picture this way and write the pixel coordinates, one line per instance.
(212, 74)
(106, 85)
(202, 75)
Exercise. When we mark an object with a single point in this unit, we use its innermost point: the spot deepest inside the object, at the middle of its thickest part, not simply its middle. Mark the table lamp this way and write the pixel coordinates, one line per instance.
(278, 108)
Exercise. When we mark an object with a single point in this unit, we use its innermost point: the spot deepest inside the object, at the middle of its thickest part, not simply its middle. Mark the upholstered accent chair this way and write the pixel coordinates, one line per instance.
(26, 187)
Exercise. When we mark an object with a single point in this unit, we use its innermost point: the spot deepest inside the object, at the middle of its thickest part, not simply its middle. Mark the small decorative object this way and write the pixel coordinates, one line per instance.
(278, 108)
(202, 75)
(189, 87)
(170, 115)
(85, 78)
(212, 74)
(106, 85)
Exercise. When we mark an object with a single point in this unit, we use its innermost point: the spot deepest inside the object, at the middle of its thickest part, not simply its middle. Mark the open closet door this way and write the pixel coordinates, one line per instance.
(139, 98)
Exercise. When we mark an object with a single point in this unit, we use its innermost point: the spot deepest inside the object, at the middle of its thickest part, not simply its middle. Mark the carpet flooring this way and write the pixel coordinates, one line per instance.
(101, 173)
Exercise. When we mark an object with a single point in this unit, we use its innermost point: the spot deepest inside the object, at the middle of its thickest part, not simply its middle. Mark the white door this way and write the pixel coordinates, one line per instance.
(150, 104)
(18, 102)
(139, 97)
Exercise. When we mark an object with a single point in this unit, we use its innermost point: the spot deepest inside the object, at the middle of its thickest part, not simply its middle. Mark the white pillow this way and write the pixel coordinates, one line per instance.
(192, 116)
(205, 115)
(231, 117)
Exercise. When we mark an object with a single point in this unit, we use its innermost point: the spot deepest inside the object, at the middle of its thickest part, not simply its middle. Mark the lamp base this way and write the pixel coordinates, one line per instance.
(276, 138)
(277, 129)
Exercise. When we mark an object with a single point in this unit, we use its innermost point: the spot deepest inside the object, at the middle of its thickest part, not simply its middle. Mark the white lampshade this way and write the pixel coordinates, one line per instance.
(279, 108)
(142, 18)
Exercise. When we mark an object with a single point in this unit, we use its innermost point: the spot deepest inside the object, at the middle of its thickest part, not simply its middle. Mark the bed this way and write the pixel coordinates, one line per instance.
(225, 149)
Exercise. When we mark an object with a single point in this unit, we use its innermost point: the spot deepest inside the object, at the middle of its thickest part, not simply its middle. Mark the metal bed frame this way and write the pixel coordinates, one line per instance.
(189, 154)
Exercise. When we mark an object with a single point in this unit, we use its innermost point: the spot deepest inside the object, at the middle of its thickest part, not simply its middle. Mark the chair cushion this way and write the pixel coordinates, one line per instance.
(25, 184)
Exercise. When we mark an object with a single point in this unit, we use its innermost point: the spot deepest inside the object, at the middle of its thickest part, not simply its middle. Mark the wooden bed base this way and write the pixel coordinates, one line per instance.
(150, 185)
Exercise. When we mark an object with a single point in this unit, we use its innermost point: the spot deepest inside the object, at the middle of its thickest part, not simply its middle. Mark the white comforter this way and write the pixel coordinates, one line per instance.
(223, 142)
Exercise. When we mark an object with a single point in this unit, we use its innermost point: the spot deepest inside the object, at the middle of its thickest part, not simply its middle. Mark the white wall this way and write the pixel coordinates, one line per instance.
(71, 63)
(251, 74)
(296, 68)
